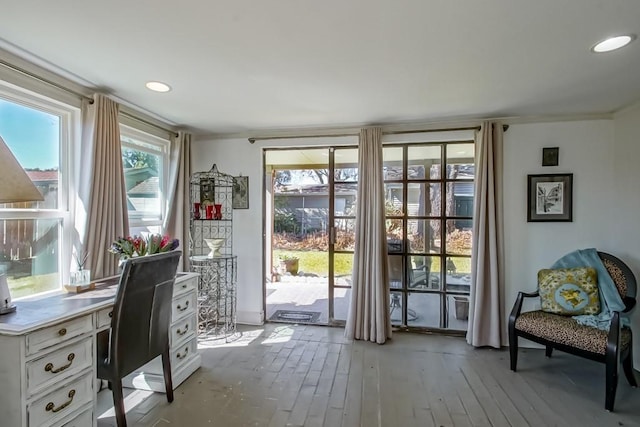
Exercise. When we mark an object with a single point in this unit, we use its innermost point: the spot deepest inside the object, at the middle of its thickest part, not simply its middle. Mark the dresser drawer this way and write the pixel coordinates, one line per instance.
(84, 419)
(58, 365)
(181, 353)
(57, 334)
(185, 286)
(61, 402)
(181, 330)
(103, 318)
(183, 305)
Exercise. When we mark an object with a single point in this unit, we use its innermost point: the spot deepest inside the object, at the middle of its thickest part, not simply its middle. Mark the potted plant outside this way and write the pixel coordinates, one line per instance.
(289, 263)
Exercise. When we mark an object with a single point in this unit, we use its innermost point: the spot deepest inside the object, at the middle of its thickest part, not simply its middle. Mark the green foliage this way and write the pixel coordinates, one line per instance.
(139, 159)
(316, 262)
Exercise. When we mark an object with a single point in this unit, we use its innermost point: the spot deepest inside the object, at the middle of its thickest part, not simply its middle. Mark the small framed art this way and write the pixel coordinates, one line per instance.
(240, 192)
(550, 197)
(550, 156)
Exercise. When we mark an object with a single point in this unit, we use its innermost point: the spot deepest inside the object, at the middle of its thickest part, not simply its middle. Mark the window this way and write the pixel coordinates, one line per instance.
(429, 207)
(32, 240)
(145, 162)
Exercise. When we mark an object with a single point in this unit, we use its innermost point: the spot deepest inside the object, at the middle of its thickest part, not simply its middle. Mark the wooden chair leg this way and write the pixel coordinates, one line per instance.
(611, 382)
(118, 403)
(166, 368)
(513, 349)
(627, 365)
(548, 350)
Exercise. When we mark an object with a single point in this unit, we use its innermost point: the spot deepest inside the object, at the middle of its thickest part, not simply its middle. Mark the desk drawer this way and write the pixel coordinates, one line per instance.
(61, 402)
(180, 354)
(183, 305)
(185, 286)
(103, 318)
(182, 329)
(58, 365)
(85, 419)
(57, 334)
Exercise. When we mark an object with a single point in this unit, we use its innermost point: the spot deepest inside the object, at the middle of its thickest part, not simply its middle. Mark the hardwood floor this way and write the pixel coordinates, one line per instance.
(287, 375)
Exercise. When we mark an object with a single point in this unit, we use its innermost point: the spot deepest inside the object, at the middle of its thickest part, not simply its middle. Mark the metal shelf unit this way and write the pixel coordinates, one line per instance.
(218, 273)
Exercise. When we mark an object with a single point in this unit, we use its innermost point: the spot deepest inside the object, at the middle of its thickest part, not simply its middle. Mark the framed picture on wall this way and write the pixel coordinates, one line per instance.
(550, 197)
(240, 192)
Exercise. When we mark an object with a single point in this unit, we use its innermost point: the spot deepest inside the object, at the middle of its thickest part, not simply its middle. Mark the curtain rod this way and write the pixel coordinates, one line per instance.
(45, 80)
(146, 122)
(78, 94)
(397, 132)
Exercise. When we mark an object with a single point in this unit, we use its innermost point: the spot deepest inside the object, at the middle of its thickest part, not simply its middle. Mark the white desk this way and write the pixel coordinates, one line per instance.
(48, 354)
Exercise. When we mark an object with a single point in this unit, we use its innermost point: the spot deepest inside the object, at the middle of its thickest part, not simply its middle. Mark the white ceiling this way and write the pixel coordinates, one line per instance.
(241, 66)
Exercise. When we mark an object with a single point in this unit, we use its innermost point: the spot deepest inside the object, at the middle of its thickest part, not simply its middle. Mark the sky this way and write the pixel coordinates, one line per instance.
(32, 135)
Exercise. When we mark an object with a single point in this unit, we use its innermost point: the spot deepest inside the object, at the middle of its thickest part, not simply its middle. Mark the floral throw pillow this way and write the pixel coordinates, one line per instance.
(569, 291)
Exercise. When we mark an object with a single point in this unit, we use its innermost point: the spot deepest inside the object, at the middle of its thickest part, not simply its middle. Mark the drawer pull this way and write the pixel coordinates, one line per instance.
(181, 308)
(49, 366)
(111, 314)
(51, 406)
(62, 332)
(182, 356)
(182, 332)
(184, 286)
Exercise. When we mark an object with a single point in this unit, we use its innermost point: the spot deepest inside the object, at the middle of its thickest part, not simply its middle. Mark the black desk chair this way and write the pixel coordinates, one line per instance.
(140, 324)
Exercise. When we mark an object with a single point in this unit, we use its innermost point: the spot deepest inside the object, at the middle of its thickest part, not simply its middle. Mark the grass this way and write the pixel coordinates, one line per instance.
(30, 285)
(317, 262)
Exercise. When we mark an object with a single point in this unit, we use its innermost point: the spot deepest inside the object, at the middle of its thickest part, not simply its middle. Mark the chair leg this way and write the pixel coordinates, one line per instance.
(166, 368)
(627, 365)
(513, 349)
(548, 350)
(611, 382)
(118, 403)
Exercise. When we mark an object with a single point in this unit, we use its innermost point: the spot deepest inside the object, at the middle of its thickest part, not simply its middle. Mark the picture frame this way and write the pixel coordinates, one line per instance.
(240, 194)
(550, 197)
(207, 192)
(550, 156)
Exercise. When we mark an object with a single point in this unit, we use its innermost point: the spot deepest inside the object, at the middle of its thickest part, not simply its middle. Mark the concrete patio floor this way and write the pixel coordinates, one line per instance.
(311, 294)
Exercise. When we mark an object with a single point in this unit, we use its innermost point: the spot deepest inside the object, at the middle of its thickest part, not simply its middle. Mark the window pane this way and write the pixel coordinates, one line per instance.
(395, 271)
(342, 268)
(33, 137)
(393, 199)
(344, 201)
(460, 161)
(458, 277)
(392, 163)
(29, 255)
(458, 240)
(394, 235)
(395, 308)
(460, 197)
(142, 180)
(458, 312)
(345, 238)
(423, 236)
(424, 199)
(423, 310)
(424, 161)
(424, 272)
(346, 165)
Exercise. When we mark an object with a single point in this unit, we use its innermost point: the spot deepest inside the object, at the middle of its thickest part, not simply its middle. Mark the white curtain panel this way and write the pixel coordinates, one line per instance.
(176, 222)
(101, 207)
(369, 318)
(486, 309)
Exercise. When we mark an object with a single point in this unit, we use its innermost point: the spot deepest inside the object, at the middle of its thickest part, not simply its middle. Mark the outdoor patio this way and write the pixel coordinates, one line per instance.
(310, 294)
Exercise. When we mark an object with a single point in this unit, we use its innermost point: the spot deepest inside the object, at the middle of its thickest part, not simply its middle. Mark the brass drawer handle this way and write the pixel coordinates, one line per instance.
(181, 308)
(182, 356)
(62, 332)
(51, 406)
(182, 332)
(49, 366)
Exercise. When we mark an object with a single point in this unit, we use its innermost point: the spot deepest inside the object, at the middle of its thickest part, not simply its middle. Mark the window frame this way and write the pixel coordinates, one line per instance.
(68, 137)
(145, 139)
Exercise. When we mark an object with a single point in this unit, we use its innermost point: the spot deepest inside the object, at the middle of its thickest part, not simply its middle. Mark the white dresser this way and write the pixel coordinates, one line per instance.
(48, 355)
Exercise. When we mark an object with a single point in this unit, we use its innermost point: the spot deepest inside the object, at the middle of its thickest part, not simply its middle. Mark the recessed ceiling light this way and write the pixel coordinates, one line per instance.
(613, 43)
(158, 86)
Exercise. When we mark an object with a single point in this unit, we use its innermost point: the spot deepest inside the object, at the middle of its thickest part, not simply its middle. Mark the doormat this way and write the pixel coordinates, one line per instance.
(293, 316)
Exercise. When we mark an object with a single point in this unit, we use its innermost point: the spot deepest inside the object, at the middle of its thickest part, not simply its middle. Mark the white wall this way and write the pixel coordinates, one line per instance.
(600, 154)
(626, 208)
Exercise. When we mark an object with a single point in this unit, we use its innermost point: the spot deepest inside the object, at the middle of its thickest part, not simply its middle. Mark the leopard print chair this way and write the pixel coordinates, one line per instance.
(565, 334)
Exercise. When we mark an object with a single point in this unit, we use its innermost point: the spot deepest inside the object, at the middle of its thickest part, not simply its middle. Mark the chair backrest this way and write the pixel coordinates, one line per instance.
(142, 311)
(623, 278)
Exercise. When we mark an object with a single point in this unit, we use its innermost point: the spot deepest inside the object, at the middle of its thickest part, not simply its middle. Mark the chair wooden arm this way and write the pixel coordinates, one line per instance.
(517, 307)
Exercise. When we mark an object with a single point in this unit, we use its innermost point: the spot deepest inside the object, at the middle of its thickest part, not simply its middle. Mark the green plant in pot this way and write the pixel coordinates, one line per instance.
(289, 263)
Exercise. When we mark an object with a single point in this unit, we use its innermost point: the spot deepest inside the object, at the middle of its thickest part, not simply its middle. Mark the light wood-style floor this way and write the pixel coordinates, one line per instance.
(287, 375)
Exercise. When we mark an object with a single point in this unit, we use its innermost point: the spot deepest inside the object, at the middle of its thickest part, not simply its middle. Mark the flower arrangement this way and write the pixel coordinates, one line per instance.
(128, 247)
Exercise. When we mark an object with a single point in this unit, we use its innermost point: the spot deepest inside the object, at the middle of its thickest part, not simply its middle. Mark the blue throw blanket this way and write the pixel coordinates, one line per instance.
(610, 299)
